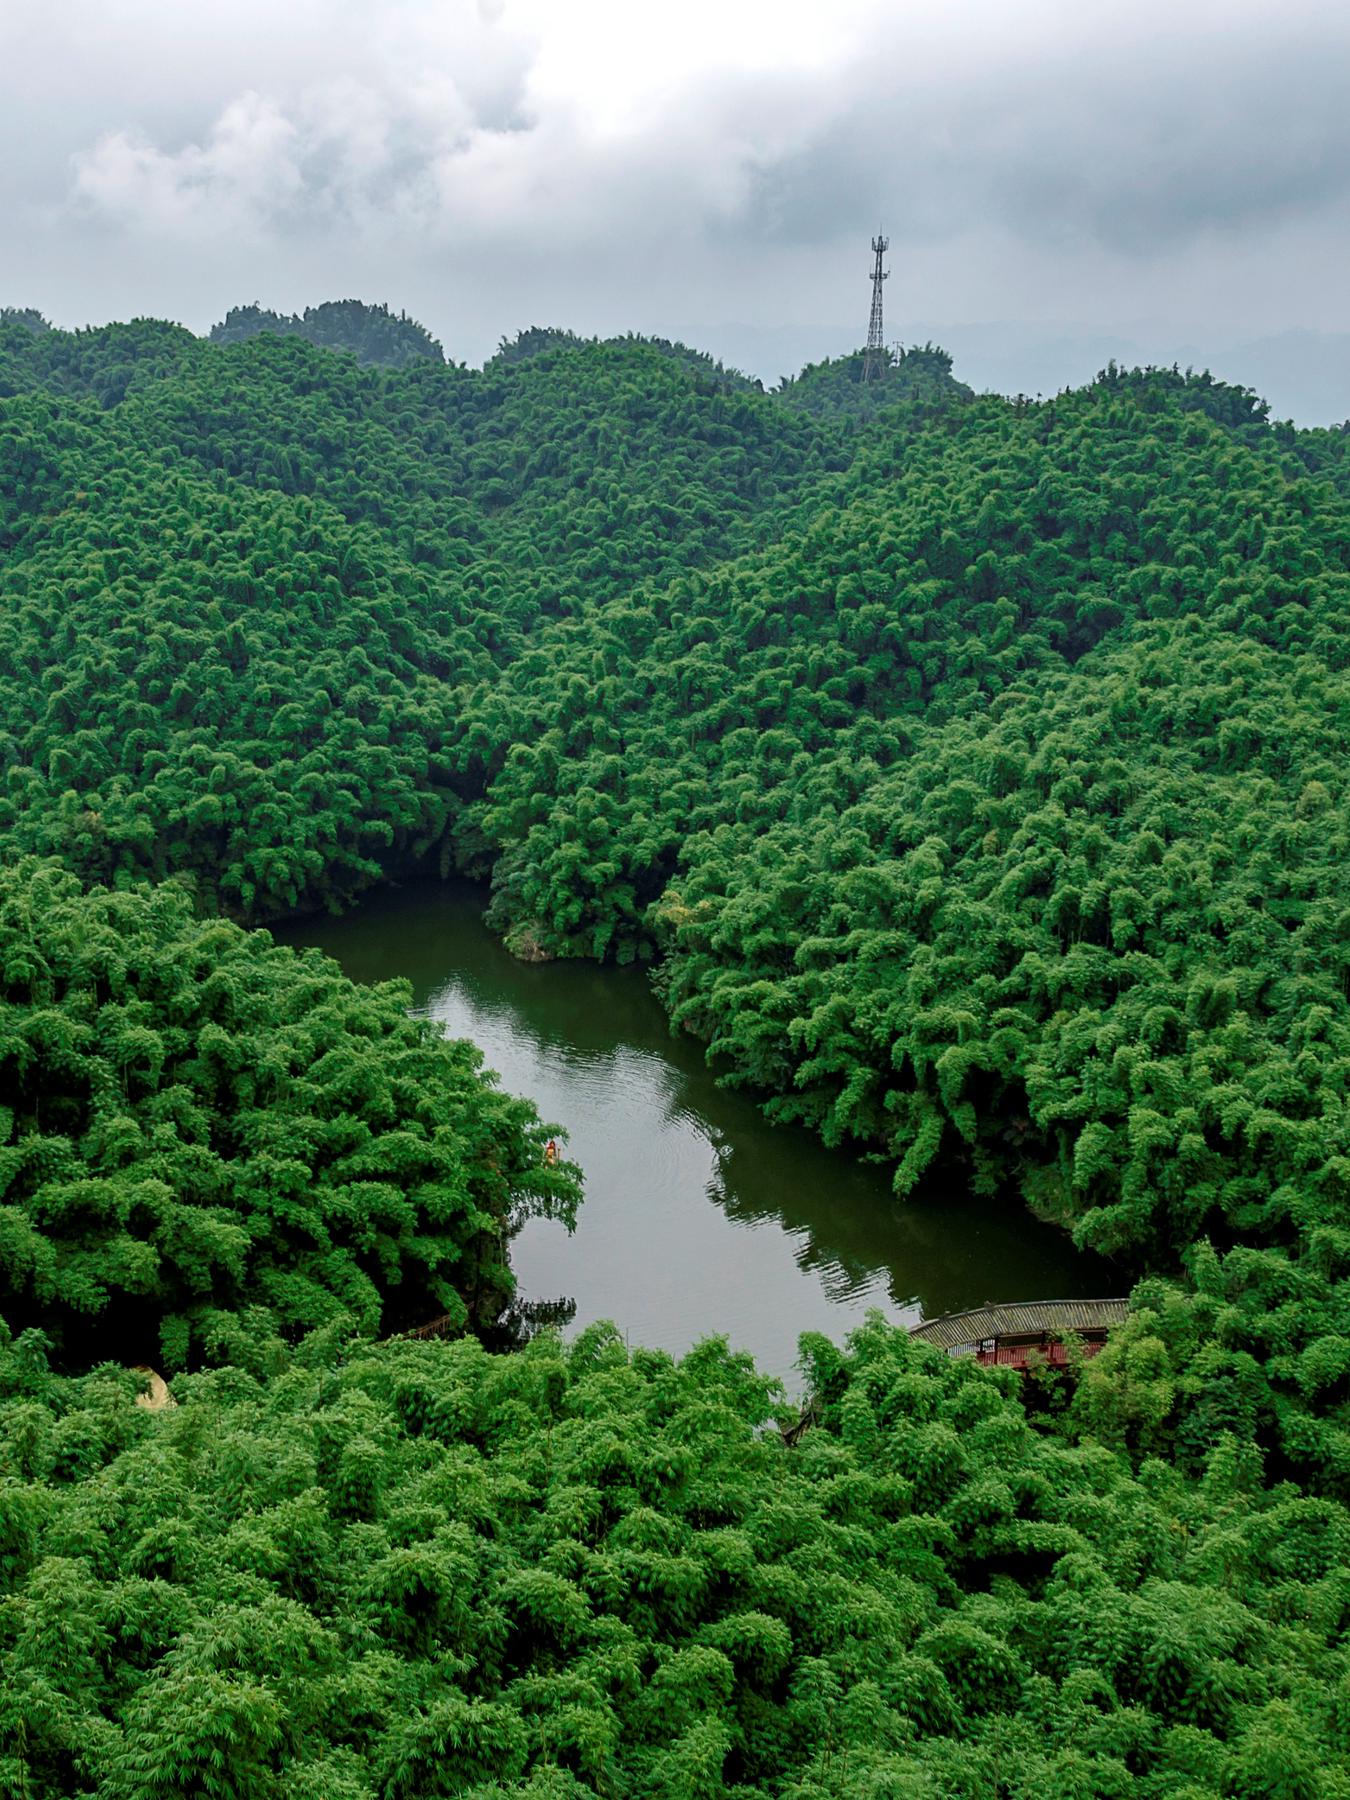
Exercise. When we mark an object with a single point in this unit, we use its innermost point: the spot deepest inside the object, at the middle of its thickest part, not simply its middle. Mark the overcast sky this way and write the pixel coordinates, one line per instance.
(1180, 168)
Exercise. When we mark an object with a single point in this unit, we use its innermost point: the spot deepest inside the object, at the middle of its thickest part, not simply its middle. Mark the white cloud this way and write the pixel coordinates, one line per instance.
(246, 173)
(461, 122)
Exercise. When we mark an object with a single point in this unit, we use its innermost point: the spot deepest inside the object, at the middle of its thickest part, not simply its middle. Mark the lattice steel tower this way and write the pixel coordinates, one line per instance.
(875, 360)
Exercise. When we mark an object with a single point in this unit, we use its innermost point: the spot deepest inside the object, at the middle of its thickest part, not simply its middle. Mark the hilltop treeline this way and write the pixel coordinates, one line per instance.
(372, 334)
(970, 774)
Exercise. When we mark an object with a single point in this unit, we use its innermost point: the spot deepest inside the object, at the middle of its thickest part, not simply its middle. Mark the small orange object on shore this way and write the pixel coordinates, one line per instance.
(550, 1152)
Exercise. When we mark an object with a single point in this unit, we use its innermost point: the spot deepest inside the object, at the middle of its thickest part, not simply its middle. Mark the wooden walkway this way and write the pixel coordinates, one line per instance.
(1027, 1318)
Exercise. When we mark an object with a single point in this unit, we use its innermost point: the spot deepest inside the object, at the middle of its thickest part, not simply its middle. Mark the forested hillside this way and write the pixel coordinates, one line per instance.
(970, 773)
(274, 583)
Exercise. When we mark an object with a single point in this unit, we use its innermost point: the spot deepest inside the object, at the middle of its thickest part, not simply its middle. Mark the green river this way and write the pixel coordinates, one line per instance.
(699, 1215)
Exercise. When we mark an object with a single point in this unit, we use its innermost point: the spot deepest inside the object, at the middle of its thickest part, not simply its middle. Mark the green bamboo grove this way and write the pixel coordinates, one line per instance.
(970, 774)
(418, 1569)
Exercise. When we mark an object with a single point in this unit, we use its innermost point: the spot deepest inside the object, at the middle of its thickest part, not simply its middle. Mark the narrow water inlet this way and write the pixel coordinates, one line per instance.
(699, 1216)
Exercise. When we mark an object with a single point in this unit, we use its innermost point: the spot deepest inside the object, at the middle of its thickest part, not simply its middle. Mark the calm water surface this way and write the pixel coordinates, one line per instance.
(699, 1216)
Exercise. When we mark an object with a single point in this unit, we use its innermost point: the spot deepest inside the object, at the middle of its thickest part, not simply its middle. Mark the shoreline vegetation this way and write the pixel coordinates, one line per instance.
(969, 771)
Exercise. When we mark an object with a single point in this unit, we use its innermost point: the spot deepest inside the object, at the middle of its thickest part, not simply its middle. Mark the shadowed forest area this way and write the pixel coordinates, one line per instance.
(970, 774)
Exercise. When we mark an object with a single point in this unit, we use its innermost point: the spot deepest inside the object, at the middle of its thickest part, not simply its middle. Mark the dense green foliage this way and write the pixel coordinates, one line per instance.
(997, 813)
(249, 591)
(971, 773)
(539, 338)
(196, 1122)
(987, 811)
(421, 1570)
(372, 334)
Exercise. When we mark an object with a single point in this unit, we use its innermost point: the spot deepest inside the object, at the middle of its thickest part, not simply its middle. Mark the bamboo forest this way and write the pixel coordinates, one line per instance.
(966, 776)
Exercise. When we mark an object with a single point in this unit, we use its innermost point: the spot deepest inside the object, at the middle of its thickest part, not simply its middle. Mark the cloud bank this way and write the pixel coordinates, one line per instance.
(497, 164)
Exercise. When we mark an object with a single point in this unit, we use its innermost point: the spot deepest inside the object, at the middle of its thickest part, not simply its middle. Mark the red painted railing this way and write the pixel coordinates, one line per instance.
(1049, 1353)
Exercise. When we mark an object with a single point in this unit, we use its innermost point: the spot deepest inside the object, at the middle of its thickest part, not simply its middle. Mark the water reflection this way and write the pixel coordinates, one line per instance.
(699, 1215)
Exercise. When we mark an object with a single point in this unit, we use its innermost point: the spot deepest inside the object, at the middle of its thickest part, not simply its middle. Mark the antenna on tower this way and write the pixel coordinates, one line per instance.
(875, 360)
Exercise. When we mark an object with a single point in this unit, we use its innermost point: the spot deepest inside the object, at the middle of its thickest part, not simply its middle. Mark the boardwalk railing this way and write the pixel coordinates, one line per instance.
(1026, 1318)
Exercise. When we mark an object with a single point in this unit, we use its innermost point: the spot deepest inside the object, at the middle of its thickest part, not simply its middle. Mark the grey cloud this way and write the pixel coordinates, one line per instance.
(1094, 162)
(1137, 146)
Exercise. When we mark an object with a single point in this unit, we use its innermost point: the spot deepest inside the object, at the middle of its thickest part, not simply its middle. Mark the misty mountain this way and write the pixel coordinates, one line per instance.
(1305, 375)
(372, 334)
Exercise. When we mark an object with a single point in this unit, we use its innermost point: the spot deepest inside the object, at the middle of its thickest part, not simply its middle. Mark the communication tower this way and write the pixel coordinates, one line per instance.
(875, 360)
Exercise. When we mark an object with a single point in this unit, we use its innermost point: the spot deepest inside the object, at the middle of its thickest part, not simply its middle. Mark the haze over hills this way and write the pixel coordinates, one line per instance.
(1305, 375)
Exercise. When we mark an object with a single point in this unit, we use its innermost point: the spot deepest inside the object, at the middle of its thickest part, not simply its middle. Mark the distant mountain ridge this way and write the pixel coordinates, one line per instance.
(1304, 374)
